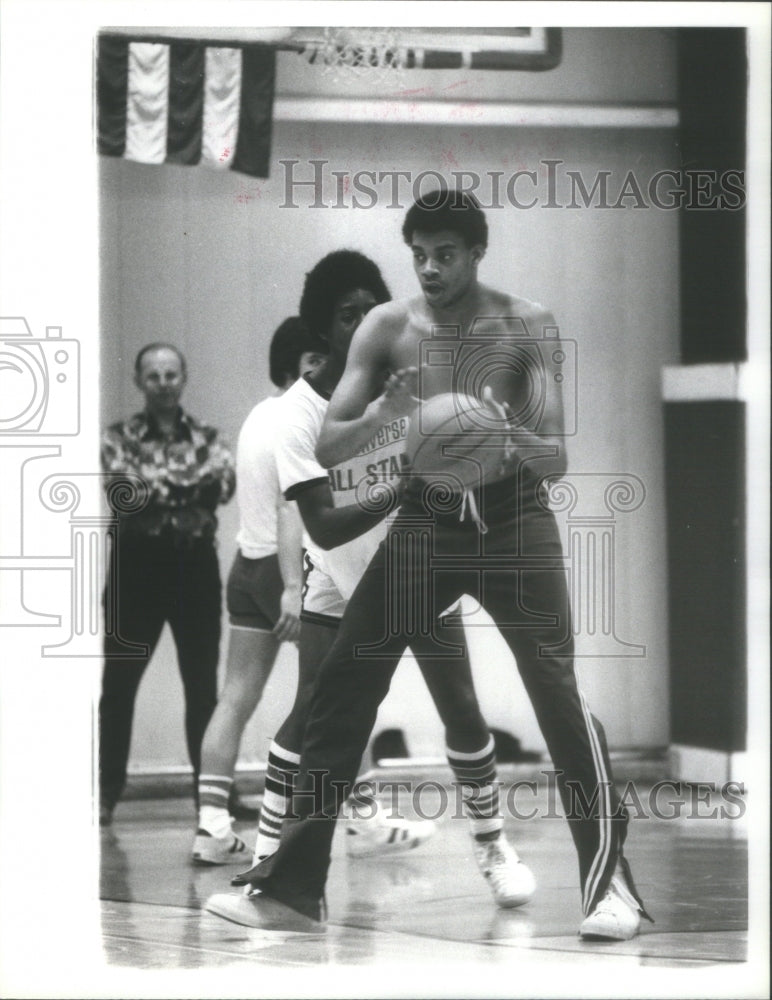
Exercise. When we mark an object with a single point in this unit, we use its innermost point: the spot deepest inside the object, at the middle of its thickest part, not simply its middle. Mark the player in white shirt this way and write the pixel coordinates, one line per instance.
(344, 512)
(263, 595)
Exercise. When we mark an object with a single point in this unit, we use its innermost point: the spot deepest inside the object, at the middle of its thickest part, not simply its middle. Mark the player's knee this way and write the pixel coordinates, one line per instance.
(298, 716)
(238, 702)
(301, 713)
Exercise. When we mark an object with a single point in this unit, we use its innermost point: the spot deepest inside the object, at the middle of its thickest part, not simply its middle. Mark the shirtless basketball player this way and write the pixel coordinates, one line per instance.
(458, 336)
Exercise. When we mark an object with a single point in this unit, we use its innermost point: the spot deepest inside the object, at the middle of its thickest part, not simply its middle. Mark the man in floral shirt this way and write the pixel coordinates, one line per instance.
(165, 566)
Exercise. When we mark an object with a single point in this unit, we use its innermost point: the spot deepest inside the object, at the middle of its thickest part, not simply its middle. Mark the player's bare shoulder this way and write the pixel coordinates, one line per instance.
(384, 322)
(389, 315)
(394, 327)
(377, 333)
(520, 316)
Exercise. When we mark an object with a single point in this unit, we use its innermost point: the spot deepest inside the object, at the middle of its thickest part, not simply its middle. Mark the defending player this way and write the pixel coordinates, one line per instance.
(263, 595)
(345, 531)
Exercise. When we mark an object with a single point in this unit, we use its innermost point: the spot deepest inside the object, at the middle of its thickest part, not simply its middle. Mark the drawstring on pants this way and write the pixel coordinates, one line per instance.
(473, 511)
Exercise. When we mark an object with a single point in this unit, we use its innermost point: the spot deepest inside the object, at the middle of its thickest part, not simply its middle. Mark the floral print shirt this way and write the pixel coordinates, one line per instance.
(186, 475)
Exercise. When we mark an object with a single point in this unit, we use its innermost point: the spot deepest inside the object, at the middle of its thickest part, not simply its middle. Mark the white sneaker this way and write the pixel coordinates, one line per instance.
(511, 882)
(385, 835)
(227, 850)
(616, 917)
(261, 912)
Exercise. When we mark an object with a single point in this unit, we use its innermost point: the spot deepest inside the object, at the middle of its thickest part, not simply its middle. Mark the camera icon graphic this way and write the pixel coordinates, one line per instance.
(39, 381)
(499, 352)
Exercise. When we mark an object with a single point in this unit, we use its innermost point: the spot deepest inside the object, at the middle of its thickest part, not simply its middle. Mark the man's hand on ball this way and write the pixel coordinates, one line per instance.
(504, 410)
(399, 394)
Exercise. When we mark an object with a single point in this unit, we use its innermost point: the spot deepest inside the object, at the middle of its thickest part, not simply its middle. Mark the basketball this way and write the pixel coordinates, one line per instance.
(457, 439)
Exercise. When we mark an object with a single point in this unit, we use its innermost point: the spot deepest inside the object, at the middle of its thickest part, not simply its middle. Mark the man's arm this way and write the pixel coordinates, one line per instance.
(549, 436)
(289, 540)
(354, 416)
(331, 526)
(550, 450)
(123, 467)
(216, 474)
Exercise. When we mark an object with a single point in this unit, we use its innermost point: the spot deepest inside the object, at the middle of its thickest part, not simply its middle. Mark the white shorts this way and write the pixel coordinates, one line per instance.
(323, 603)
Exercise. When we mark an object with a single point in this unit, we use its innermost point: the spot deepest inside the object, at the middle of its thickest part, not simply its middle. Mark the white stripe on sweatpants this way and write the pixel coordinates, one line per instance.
(604, 847)
(222, 103)
(147, 104)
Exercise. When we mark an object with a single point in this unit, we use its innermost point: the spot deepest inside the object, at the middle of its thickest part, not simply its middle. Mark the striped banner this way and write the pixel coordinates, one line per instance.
(186, 103)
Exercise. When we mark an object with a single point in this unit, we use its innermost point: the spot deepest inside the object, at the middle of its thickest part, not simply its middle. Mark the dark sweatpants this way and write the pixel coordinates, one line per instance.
(159, 580)
(430, 558)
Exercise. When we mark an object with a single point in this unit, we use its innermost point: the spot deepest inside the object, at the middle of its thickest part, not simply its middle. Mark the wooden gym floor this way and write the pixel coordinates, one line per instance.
(429, 910)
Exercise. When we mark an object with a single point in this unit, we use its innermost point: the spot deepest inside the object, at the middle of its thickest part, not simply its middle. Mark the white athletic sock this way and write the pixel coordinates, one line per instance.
(476, 774)
(283, 766)
(213, 793)
(215, 821)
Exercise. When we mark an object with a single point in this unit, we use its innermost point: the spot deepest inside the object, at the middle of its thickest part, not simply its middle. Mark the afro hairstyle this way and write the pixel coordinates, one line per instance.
(457, 211)
(335, 275)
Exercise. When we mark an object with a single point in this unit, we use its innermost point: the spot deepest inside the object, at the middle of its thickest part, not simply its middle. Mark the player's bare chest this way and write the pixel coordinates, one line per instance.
(491, 351)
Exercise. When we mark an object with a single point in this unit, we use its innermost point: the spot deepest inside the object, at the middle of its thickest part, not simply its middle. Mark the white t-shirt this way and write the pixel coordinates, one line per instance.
(380, 461)
(257, 482)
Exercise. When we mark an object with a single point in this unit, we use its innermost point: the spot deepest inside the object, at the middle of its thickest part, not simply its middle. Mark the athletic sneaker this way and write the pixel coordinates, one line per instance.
(616, 917)
(211, 850)
(263, 912)
(242, 877)
(512, 883)
(382, 834)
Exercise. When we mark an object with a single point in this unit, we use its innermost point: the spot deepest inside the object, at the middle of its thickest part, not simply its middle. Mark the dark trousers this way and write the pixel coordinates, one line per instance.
(158, 580)
(428, 560)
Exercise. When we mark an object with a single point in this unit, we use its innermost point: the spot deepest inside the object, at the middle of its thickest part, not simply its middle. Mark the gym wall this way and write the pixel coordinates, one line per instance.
(211, 262)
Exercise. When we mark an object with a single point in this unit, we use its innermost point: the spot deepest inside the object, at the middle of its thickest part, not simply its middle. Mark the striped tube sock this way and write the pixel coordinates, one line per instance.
(213, 793)
(283, 766)
(476, 774)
